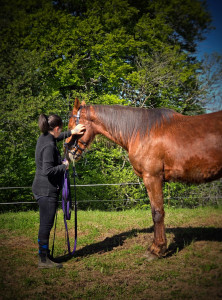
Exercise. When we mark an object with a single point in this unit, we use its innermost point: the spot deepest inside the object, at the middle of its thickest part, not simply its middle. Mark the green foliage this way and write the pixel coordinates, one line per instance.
(182, 195)
(138, 53)
(106, 163)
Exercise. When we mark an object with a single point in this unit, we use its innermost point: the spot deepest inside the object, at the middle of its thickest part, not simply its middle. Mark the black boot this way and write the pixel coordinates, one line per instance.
(45, 259)
(46, 263)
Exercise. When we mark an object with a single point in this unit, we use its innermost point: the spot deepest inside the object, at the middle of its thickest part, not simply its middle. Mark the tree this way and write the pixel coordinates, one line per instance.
(117, 51)
(162, 80)
(210, 79)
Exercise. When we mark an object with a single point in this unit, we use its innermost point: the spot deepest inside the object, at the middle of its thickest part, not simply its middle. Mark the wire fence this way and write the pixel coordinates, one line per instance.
(78, 185)
(188, 198)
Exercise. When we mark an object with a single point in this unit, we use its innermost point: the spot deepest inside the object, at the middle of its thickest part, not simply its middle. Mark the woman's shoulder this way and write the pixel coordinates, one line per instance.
(46, 140)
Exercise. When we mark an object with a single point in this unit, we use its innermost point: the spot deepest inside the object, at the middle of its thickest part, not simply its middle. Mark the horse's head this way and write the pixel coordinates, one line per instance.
(74, 148)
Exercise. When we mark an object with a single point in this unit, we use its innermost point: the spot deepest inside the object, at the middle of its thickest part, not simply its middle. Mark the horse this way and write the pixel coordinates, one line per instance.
(162, 145)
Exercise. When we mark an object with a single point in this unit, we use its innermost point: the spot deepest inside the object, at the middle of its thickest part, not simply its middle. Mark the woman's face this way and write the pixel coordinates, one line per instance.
(57, 130)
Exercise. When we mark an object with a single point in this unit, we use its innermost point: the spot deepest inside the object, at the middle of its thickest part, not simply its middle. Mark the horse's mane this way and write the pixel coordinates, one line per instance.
(128, 121)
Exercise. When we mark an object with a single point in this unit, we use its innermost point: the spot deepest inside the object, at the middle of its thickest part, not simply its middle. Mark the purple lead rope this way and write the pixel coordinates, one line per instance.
(66, 196)
(67, 205)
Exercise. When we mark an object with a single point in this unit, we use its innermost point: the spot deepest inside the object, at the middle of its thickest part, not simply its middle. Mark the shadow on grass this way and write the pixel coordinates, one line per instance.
(183, 236)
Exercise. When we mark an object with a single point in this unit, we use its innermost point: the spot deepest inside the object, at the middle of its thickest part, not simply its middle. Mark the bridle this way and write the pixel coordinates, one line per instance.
(76, 151)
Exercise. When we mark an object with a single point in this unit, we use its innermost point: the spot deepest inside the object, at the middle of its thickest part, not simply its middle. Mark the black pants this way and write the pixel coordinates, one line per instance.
(47, 210)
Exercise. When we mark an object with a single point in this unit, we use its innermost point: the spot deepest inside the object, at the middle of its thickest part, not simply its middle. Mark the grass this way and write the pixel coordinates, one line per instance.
(110, 262)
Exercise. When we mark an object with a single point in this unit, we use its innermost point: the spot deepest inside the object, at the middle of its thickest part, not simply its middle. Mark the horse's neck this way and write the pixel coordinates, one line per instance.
(115, 136)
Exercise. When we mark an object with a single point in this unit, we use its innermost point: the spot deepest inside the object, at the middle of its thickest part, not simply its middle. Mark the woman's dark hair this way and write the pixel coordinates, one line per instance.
(47, 124)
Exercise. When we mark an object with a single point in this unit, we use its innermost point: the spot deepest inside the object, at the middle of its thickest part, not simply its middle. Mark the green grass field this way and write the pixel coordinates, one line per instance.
(110, 260)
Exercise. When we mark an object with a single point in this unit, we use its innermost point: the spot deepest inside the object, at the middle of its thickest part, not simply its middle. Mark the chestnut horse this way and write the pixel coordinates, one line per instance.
(162, 144)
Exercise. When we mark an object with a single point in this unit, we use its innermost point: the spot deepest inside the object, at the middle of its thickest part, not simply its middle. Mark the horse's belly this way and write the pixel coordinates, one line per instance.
(194, 161)
(195, 170)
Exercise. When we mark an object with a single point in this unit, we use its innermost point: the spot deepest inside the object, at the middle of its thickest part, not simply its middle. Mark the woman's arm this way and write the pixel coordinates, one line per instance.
(49, 168)
(78, 130)
(64, 135)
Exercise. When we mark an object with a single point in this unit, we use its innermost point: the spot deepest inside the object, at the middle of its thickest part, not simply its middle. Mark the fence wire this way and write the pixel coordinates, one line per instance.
(129, 200)
(78, 185)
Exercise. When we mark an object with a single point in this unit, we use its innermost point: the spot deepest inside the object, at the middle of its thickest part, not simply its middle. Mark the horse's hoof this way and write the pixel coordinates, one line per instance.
(150, 256)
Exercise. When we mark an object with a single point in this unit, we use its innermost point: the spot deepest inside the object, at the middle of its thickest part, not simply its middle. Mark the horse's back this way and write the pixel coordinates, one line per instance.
(185, 148)
(193, 148)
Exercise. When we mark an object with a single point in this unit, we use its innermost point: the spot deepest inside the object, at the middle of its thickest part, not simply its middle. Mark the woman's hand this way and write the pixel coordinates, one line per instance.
(65, 162)
(79, 129)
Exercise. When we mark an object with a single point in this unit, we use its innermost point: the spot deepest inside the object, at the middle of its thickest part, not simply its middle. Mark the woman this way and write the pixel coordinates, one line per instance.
(48, 179)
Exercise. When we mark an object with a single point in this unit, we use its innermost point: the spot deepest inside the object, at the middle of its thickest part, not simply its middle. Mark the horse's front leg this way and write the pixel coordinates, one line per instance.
(154, 186)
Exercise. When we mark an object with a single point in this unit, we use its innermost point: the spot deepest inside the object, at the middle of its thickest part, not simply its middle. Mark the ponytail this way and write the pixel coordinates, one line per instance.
(43, 123)
(47, 124)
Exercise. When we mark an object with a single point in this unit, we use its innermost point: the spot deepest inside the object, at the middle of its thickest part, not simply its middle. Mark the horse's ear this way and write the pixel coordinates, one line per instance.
(76, 105)
(83, 103)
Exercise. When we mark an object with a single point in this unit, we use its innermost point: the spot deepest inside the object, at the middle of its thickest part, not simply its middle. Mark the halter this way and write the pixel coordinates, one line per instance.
(76, 146)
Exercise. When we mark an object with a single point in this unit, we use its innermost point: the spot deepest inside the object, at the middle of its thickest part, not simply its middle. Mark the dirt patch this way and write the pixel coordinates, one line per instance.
(114, 266)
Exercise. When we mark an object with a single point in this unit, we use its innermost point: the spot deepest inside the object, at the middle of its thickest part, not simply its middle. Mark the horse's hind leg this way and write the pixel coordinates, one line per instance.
(154, 188)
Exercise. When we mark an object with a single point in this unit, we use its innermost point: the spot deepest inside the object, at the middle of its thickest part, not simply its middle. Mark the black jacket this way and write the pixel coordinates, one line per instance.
(49, 168)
